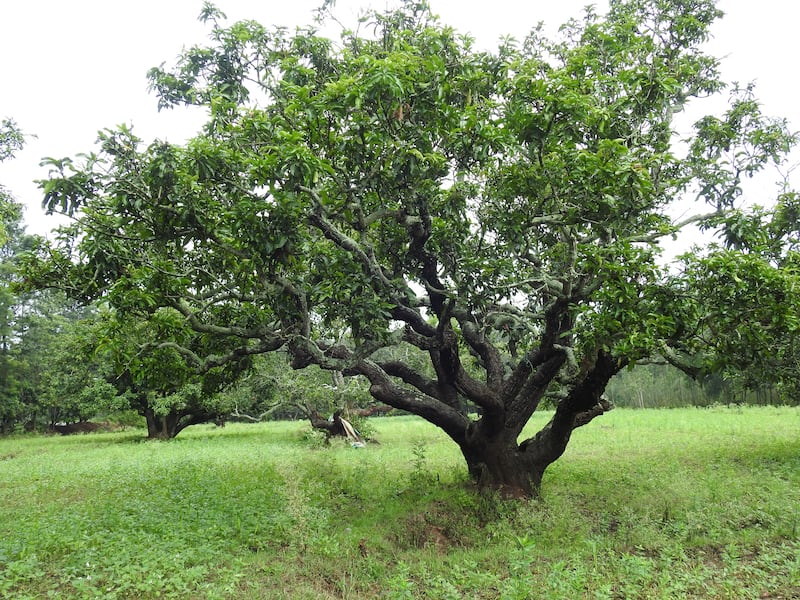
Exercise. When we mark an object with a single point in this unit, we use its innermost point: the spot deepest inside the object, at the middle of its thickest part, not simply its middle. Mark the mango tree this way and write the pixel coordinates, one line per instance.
(485, 226)
(745, 292)
(151, 362)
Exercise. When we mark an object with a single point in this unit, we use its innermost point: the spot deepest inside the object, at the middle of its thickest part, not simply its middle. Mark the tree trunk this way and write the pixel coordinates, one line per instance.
(161, 427)
(166, 427)
(501, 464)
(505, 469)
(496, 461)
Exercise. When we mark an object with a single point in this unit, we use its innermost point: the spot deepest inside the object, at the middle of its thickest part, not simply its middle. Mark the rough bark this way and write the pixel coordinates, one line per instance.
(503, 466)
(160, 427)
(496, 461)
(166, 427)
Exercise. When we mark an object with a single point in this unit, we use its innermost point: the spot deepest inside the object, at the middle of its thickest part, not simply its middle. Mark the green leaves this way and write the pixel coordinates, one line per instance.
(11, 139)
(738, 145)
(747, 316)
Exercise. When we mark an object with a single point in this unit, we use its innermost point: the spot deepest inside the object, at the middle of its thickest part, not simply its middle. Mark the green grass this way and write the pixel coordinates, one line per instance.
(686, 503)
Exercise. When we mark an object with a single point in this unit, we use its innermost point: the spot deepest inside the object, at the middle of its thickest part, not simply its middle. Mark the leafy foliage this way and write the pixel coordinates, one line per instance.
(15, 376)
(11, 141)
(148, 359)
(745, 301)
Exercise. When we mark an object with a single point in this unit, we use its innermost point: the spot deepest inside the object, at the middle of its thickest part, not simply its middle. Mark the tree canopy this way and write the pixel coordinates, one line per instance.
(475, 233)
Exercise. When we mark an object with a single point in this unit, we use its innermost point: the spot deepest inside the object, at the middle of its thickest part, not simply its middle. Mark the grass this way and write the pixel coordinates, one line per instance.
(684, 503)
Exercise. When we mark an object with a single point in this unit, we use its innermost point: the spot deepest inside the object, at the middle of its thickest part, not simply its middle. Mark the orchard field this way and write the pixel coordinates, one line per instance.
(679, 503)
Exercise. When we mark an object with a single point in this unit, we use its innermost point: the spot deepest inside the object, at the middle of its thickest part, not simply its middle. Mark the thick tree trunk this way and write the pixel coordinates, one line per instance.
(161, 427)
(496, 461)
(166, 427)
(503, 466)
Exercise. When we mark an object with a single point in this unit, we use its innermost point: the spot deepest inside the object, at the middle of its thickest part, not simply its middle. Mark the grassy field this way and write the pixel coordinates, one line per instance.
(685, 503)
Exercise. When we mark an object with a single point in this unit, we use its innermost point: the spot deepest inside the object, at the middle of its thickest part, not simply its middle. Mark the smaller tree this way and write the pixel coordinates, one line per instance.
(11, 141)
(11, 407)
(150, 361)
(73, 382)
(745, 305)
(255, 397)
(271, 391)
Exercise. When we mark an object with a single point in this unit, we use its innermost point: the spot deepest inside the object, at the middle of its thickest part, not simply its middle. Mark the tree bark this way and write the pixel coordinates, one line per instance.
(503, 466)
(166, 427)
(497, 461)
(160, 427)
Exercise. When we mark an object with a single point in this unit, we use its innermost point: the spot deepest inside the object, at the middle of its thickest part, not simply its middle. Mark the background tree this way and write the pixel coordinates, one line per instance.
(73, 382)
(659, 385)
(42, 380)
(9, 381)
(13, 241)
(11, 141)
(49, 374)
(257, 396)
(270, 391)
(152, 362)
(499, 213)
(745, 301)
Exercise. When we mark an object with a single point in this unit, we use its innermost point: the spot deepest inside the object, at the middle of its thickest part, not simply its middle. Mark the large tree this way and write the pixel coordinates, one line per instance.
(498, 214)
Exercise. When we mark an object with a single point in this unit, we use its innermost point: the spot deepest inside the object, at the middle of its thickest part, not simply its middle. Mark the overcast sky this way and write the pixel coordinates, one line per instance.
(71, 68)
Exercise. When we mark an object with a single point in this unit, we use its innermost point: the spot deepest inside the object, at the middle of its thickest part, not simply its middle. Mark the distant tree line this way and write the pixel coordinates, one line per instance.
(664, 386)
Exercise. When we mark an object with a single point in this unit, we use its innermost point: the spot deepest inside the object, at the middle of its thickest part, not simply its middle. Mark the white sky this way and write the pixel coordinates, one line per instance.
(70, 68)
